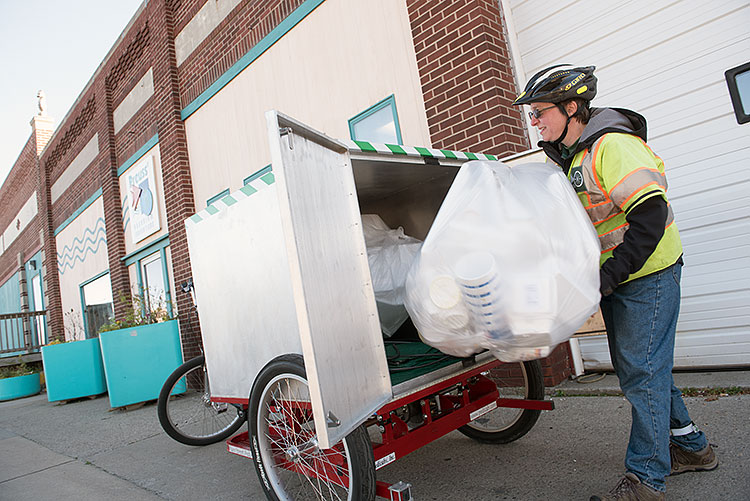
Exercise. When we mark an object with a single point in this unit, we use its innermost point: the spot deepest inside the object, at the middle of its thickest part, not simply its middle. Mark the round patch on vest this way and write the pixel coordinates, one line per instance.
(576, 179)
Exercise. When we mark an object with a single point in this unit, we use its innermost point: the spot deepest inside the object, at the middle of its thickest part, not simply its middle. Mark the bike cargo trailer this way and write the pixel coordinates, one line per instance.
(291, 329)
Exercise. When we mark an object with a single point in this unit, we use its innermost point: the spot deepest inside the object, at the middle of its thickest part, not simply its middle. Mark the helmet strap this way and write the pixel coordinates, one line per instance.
(557, 142)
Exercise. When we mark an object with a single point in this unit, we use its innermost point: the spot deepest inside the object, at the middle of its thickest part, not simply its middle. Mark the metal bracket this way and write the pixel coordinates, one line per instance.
(287, 131)
(469, 361)
(400, 491)
(332, 420)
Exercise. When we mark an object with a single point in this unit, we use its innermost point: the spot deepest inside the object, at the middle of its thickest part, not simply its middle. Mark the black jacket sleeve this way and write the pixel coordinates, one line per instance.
(646, 227)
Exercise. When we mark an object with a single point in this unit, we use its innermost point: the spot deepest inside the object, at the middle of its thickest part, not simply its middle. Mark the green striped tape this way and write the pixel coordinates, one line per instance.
(267, 179)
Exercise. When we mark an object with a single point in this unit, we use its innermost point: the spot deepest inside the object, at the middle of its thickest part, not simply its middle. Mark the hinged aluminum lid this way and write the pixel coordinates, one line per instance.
(334, 301)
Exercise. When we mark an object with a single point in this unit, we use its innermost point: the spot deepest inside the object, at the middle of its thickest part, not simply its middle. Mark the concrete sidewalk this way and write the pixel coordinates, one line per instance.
(607, 383)
(85, 450)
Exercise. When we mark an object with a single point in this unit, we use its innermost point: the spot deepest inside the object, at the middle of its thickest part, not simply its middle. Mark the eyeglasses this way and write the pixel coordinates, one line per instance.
(538, 112)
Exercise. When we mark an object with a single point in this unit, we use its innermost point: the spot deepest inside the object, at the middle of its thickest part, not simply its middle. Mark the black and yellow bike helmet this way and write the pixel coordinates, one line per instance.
(553, 85)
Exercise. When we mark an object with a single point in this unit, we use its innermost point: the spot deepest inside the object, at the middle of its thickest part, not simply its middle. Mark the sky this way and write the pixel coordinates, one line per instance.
(55, 46)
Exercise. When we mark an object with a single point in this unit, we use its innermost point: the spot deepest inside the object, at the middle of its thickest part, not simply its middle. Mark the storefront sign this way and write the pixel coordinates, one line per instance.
(144, 211)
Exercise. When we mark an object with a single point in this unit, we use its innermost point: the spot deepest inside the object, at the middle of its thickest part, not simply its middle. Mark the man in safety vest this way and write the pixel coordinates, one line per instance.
(622, 185)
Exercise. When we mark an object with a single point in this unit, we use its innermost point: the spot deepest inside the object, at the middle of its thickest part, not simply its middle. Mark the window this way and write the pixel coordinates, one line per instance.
(152, 279)
(150, 265)
(738, 80)
(378, 124)
(96, 296)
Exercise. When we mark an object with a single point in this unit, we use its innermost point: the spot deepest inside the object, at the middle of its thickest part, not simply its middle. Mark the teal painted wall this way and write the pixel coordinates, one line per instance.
(10, 295)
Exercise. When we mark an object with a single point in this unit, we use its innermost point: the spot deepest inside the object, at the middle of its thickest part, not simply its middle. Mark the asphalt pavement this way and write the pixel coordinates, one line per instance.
(84, 450)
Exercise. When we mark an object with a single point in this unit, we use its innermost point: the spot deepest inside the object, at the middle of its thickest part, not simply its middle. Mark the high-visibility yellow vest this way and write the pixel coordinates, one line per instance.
(612, 177)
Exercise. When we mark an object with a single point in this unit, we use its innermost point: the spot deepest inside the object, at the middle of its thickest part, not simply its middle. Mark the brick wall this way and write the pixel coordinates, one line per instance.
(466, 76)
(18, 187)
(179, 199)
(148, 43)
(21, 183)
(558, 366)
(135, 55)
(67, 142)
(71, 136)
(239, 32)
(467, 81)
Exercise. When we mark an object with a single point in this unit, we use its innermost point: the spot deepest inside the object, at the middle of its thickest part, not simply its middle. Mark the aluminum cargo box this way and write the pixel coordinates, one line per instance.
(280, 266)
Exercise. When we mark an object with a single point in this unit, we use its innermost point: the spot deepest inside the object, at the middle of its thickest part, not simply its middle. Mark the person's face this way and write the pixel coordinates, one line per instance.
(548, 119)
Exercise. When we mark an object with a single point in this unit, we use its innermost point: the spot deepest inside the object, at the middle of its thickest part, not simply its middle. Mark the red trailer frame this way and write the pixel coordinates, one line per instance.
(446, 406)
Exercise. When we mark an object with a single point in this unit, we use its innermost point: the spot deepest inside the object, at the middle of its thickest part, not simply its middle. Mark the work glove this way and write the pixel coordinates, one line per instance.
(607, 283)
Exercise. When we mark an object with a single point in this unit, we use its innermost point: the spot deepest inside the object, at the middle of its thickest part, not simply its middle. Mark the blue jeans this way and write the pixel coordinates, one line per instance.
(641, 317)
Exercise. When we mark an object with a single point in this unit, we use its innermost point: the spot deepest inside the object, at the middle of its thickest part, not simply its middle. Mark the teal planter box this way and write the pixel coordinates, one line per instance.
(73, 370)
(138, 360)
(19, 386)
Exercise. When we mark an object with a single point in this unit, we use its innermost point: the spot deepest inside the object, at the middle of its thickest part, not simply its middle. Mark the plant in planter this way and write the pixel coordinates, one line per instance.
(19, 381)
(140, 351)
(73, 369)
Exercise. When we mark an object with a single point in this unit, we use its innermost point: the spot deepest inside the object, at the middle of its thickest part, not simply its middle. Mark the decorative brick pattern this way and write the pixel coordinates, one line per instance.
(74, 131)
(239, 32)
(467, 80)
(128, 58)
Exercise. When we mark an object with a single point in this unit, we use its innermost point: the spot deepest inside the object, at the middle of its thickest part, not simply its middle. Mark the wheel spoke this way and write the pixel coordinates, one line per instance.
(295, 467)
(186, 411)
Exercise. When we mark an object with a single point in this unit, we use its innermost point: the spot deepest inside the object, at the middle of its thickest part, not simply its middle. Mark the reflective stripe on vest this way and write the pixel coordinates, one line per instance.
(636, 181)
(602, 207)
(612, 238)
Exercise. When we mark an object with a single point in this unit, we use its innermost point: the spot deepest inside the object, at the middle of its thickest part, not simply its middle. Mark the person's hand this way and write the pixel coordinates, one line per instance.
(607, 284)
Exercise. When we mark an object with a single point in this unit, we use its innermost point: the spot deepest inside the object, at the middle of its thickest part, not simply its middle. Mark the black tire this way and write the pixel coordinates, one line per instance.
(282, 437)
(189, 416)
(504, 424)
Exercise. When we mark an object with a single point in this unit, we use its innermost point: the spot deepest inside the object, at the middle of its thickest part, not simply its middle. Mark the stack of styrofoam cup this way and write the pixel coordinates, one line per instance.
(476, 274)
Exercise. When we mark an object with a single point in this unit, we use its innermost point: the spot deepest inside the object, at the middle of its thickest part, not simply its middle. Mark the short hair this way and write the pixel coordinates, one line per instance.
(583, 111)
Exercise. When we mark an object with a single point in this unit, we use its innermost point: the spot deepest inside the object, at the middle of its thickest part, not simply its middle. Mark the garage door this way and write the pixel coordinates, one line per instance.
(667, 61)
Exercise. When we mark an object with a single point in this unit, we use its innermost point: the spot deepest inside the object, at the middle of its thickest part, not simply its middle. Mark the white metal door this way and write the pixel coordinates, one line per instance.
(334, 301)
(667, 62)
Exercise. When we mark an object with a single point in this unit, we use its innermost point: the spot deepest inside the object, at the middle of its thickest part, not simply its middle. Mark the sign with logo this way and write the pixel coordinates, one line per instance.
(141, 193)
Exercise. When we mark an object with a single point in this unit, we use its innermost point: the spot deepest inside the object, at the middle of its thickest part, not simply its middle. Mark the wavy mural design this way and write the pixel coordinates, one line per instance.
(89, 242)
(88, 234)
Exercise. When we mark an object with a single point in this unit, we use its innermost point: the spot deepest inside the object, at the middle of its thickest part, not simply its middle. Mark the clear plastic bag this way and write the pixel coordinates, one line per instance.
(390, 254)
(511, 264)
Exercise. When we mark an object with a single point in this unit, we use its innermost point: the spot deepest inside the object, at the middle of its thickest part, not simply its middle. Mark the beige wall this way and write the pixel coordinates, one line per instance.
(341, 59)
(81, 255)
(20, 222)
(76, 168)
(133, 102)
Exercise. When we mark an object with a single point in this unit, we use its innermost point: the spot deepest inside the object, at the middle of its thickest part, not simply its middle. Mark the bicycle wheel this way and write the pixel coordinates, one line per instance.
(185, 409)
(289, 463)
(505, 424)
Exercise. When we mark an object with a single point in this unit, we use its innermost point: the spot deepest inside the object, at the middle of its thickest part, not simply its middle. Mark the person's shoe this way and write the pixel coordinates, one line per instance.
(630, 488)
(684, 461)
